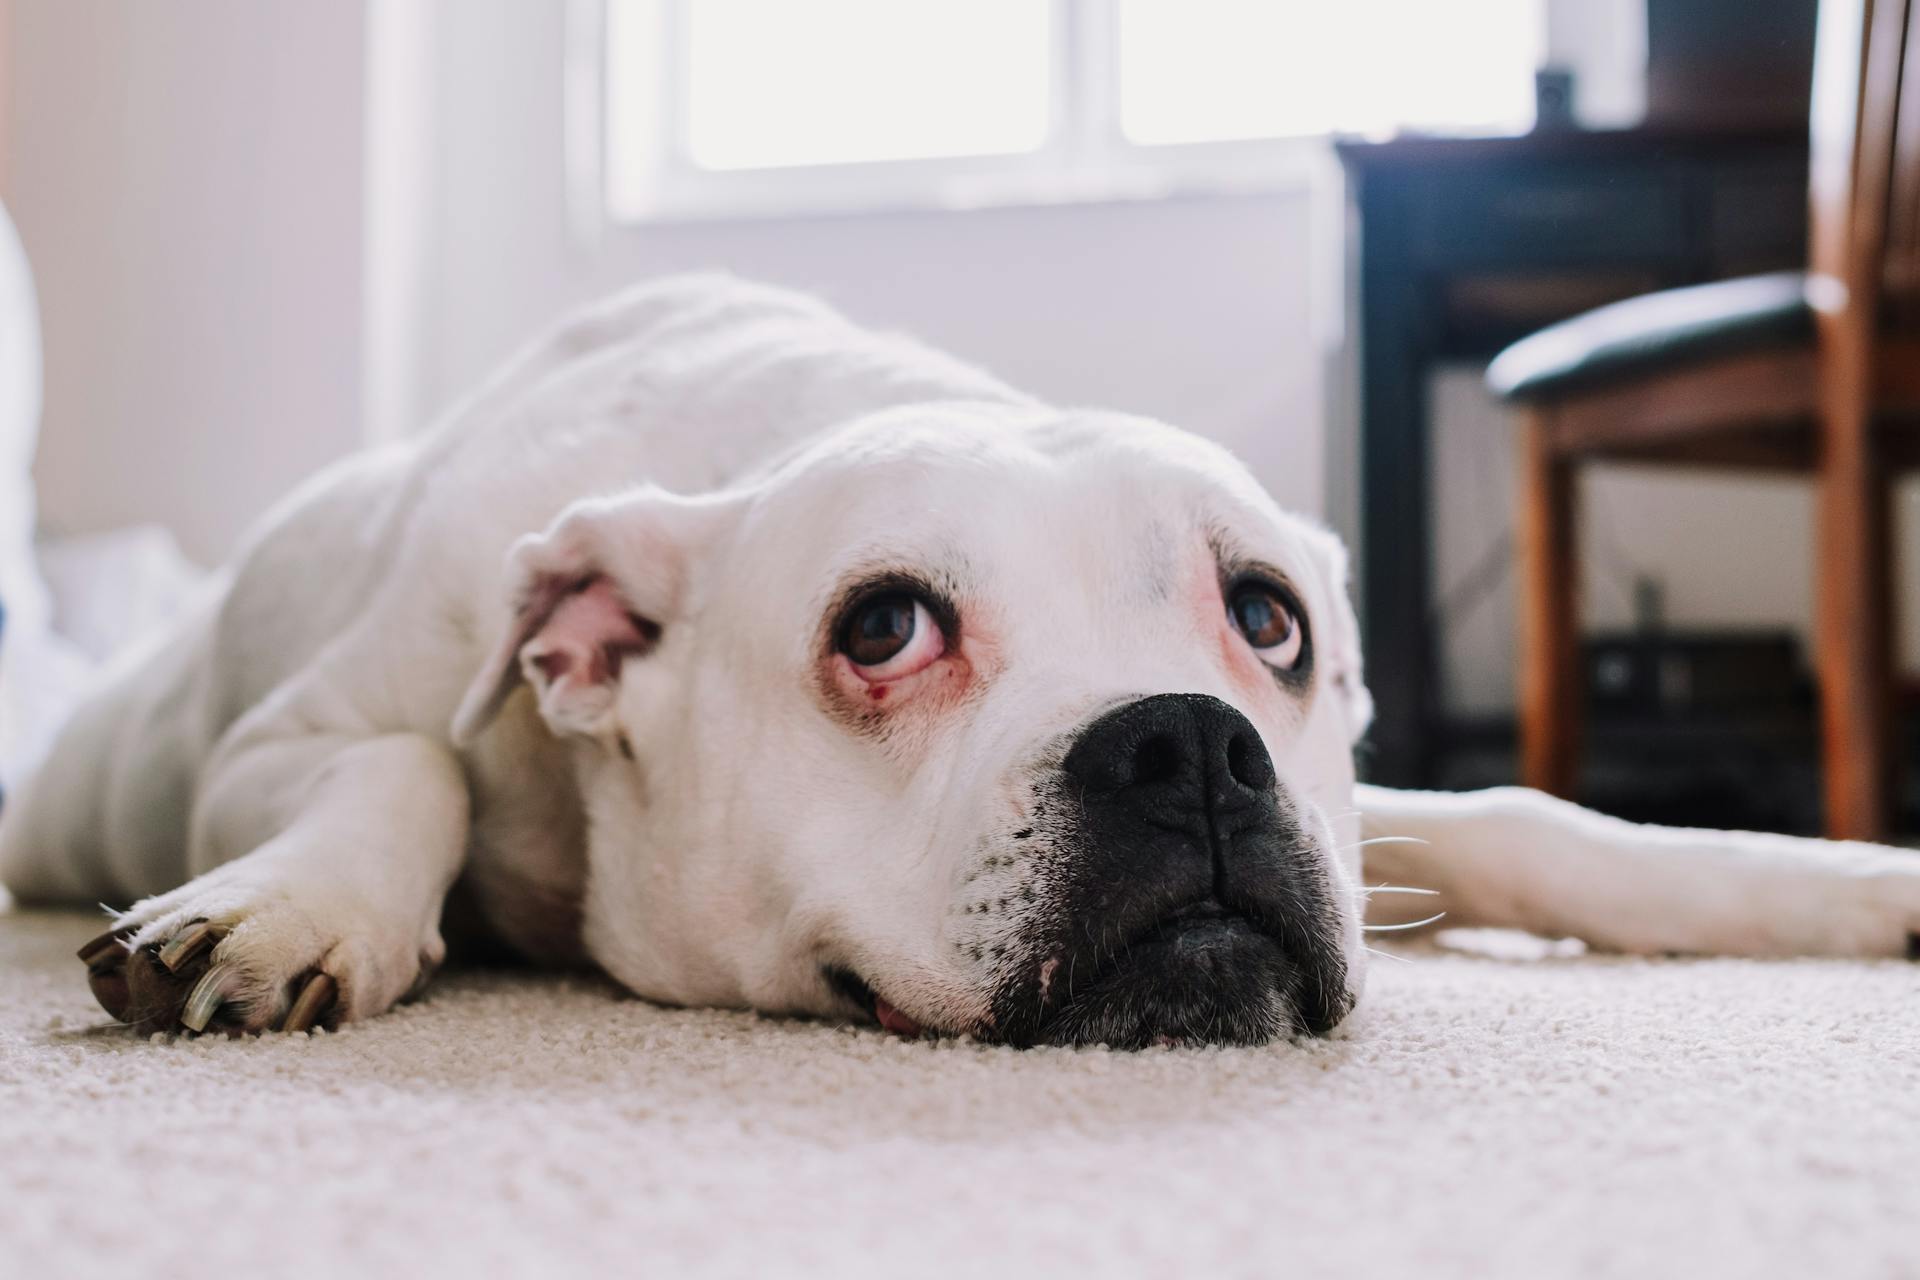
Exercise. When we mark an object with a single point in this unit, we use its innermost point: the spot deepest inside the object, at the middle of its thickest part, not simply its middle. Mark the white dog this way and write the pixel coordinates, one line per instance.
(766, 662)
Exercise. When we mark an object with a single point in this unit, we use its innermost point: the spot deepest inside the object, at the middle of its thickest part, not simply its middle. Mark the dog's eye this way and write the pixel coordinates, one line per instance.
(890, 636)
(1267, 620)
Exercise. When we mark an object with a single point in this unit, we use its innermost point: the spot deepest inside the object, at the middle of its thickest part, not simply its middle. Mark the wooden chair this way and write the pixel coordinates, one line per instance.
(1816, 371)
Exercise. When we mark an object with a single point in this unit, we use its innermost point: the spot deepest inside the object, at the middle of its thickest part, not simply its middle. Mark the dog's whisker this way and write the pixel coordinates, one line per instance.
(1361, 844)
(1412, 924)
(1386, 955)
(1364, 893)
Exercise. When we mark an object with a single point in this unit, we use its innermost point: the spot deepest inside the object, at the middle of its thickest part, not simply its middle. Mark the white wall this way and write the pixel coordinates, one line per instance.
(203, 199)
(1197, 311)
(187, 181)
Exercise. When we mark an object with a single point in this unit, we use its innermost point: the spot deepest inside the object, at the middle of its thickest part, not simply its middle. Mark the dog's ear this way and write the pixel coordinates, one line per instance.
(1337, 640)
(590, 593)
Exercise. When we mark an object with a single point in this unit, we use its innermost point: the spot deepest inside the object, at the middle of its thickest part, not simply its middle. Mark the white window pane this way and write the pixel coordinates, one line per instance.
(636, 107)
(782, 82)
(1213, 70)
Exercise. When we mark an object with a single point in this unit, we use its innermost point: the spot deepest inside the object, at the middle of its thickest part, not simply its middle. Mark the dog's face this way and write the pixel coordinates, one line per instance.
(991, 721)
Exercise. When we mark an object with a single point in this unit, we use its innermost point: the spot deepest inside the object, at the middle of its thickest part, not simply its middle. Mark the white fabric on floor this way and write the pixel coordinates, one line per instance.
(1481, 1117)
(27, 710)
(107, 589)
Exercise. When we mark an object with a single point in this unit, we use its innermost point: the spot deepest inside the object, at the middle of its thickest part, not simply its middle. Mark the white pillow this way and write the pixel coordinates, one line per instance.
(36, 679)
(21, 590)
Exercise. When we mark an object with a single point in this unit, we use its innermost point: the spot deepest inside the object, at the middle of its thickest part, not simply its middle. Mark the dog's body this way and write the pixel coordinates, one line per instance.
(933, 703)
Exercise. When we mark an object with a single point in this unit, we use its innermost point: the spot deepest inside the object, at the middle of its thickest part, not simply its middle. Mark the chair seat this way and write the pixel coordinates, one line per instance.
(1656, 333)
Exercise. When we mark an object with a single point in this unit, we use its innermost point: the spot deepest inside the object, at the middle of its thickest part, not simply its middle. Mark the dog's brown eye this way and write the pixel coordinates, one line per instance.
(891, 635)
(880, 629)
(1267, 620)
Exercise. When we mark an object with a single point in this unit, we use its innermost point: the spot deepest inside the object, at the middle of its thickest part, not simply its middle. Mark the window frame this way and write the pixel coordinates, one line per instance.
(1084, 159)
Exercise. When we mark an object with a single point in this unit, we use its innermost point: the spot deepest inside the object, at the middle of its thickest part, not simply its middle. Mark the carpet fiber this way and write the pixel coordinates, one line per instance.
(1482, 1116)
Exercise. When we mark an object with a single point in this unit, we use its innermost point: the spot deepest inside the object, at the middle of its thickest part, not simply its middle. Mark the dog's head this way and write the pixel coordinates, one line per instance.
(1030, 726)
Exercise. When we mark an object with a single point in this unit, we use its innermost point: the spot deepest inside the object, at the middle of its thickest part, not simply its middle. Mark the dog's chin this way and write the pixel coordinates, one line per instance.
(1207, 980)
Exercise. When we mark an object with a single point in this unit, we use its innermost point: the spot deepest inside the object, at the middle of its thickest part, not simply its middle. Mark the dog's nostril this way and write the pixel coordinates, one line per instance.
(1169, 743)
(1248, 761)
(1156, 759)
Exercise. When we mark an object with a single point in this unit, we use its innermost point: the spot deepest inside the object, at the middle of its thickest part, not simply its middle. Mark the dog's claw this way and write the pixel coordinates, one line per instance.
(187, 945)
(154, 996)
(208, 995)
(313, 1003)
(109, 986)
(109, 947)
(106, 961)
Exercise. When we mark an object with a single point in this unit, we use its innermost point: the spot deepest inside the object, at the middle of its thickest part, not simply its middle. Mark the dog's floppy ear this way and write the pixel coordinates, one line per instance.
(591, 592)
(1337, 641)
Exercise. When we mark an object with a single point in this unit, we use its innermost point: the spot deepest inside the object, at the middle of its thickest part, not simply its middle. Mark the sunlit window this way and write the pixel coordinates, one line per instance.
(712, 104)
(774, 82)
(1214, 70)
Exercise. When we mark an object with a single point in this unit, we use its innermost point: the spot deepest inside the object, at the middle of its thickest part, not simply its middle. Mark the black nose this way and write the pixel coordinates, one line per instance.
(1178, 750)
(1180, 809)
(1198, 906)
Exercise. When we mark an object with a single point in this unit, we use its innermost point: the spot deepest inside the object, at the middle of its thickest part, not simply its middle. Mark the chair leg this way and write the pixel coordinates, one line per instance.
(1550, 702)
(1854, 634)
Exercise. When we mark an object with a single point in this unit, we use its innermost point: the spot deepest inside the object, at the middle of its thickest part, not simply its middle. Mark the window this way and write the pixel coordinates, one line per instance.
(1210, 70)
(716, 107)
(856, 81)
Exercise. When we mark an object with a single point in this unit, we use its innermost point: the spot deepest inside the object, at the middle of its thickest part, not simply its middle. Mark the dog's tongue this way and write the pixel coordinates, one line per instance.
(894, 1020)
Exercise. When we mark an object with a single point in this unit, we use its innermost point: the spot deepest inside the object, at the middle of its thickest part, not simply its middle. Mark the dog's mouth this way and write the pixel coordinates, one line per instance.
(1203, 974)
(851, 987)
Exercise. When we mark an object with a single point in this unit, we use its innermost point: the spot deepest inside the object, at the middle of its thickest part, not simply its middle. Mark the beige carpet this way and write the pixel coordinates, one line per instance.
(1482, 1117)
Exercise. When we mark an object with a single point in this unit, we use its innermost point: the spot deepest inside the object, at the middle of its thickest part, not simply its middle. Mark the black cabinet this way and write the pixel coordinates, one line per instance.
(1467, 244)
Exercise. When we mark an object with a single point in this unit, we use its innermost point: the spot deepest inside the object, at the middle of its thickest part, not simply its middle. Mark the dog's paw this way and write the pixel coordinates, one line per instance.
(1875, 913)
(221, 956)
(178, 985)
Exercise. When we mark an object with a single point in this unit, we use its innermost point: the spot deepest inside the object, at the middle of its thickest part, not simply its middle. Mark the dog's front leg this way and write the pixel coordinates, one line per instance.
(1515, 858)
(323, 861)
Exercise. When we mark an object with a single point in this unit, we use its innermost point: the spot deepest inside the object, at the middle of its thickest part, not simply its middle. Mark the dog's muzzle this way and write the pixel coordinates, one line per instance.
(1199, 907)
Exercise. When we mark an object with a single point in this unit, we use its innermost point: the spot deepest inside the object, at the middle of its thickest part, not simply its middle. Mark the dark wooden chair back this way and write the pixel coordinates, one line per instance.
(1865, 261)
(1865, 192)
(1903, 211)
